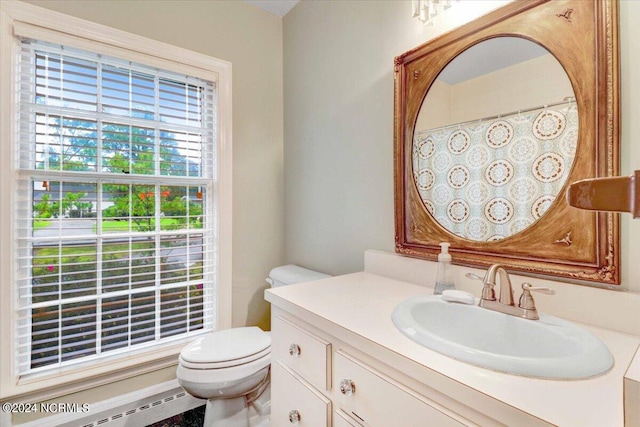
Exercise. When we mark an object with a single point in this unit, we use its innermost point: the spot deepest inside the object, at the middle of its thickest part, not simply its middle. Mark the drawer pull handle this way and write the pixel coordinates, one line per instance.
(294, 350)
(347, 387)
(294, 417)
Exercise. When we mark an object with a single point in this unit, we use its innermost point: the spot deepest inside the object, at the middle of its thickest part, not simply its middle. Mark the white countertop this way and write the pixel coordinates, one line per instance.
(362, 303)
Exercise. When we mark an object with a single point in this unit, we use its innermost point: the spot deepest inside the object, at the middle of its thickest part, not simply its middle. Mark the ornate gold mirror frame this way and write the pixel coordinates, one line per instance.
(566, 243)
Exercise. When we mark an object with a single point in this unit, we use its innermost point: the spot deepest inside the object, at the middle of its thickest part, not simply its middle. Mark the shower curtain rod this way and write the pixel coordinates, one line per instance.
(568, 100)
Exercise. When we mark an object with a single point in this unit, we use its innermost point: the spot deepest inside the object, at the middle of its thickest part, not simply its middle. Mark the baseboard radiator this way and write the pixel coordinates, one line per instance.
(140, 408)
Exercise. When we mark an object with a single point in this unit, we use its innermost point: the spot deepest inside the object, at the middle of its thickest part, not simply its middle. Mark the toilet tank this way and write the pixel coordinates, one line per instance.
(290, 274)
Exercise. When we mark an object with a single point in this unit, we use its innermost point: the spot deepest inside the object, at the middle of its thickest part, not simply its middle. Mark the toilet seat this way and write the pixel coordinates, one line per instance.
(226, 364)
(227, 348)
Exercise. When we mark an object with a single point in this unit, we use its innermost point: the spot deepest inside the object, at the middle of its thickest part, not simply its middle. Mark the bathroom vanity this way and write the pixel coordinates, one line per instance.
(338, 360)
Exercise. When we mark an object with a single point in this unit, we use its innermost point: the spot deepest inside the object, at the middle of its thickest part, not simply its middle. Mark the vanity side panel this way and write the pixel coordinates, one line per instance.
(632, 393)
(631, 403)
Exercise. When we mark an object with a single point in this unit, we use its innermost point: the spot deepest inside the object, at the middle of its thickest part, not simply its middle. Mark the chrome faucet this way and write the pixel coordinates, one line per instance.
(505, 303)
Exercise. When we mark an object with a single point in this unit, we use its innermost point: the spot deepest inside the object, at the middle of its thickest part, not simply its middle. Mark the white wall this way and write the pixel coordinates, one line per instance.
(251, 39)
(338, 98)
(630, 149)
(439, 96)
(338, 74)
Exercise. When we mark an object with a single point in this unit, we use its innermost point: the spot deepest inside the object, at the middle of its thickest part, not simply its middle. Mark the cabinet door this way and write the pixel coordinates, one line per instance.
(294, 402)
(304, 352)
(379, 401)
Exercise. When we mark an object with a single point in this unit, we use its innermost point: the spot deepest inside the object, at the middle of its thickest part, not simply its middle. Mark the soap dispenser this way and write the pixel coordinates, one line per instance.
(444, 277)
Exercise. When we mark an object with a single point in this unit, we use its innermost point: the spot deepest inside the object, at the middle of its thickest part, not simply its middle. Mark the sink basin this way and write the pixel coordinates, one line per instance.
(547, 348)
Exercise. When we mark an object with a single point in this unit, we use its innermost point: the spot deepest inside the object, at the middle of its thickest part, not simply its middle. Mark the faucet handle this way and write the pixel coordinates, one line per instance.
(488, 291)
(542, 290)
(527, 303)
(473, 276)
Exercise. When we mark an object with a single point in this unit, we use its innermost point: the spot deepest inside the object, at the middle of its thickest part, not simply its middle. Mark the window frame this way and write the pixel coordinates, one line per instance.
(17, 18)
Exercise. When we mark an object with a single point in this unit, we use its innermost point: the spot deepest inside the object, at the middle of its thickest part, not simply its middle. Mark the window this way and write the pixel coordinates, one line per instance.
(116, 239)
(118, 199)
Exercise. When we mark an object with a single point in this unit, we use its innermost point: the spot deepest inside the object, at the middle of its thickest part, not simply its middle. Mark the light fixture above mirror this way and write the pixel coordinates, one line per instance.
(569, 135)
(427, 10)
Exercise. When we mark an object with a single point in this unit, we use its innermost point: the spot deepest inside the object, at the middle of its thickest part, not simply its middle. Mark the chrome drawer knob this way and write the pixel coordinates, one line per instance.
(294, 350)
(294, 417)
(347, 387)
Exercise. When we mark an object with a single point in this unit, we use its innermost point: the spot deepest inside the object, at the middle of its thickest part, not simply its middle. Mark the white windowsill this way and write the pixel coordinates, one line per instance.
(52, 386)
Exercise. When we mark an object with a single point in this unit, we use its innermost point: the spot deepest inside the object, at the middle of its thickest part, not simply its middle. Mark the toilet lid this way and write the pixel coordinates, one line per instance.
(227, 345)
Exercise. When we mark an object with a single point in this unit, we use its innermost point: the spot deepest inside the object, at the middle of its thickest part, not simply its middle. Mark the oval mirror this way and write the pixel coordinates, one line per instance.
(495, 139)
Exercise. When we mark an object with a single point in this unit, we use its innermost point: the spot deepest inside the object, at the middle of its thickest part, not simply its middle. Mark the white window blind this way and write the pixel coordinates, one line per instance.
(115, 219)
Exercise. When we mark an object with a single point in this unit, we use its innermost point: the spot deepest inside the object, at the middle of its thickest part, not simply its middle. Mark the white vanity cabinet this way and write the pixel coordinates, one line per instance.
(338, 360)
(313, 374)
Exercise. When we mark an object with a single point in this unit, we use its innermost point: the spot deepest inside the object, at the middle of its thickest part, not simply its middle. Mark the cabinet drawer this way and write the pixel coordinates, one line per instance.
(305, 353)
(379, 401)
(292, 396)
(340, 419)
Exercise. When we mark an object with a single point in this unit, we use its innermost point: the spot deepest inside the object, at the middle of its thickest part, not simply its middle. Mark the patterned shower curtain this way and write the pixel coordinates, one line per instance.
(492, 179)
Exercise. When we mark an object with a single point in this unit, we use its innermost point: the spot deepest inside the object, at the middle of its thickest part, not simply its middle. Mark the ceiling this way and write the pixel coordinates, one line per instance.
(277, 7)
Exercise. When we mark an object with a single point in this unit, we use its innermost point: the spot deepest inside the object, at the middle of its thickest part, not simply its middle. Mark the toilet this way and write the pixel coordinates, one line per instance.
(230, 368)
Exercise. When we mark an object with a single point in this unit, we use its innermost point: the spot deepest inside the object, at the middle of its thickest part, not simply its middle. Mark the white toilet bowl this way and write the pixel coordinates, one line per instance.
(224, 367)
(230, 368)
(223, 382)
